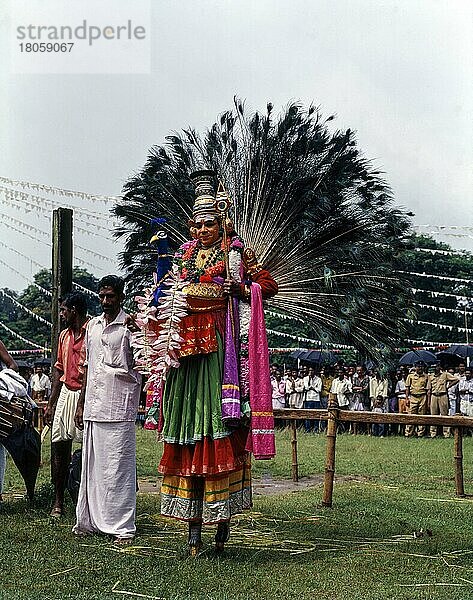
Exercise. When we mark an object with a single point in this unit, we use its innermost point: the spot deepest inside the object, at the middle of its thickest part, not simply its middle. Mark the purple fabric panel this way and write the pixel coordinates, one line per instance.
(230, 384)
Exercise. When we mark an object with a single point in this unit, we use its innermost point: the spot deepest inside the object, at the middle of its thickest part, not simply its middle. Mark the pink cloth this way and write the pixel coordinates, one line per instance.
(261, 439)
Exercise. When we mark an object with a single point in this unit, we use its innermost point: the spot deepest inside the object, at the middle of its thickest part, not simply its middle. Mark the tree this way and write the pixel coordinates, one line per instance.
(37, 301)
(430, 305)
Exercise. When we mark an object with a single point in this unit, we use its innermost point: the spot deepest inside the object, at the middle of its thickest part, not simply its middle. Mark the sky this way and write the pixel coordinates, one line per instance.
(398, 72)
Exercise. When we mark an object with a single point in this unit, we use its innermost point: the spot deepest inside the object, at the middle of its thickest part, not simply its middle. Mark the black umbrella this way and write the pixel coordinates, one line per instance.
(297, 353)
(462, 350)
(413, 356)
(43, 362)
(21, 440)
(318, 357)
(24, 446)
(447, 358)
(23, 364)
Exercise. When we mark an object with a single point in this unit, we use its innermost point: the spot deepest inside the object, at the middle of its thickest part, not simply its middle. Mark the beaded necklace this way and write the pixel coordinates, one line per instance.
(200, 264)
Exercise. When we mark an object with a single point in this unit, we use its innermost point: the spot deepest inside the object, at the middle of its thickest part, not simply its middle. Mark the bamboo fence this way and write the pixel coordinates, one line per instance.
(333, 415)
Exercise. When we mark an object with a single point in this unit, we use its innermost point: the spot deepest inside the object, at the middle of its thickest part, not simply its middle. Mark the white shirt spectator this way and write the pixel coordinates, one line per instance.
(401, 389)
(279, 389)
(378, 387)
(313, 387)
(465, 389)
(40, 383)
(296, 398)
(113, 387)
(341, 388)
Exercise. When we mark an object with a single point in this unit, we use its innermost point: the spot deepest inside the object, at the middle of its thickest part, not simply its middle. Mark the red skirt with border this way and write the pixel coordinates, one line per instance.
(208, 457)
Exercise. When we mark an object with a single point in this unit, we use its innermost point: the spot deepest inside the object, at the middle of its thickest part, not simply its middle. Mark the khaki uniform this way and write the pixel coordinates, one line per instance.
(327, 381)
(419, 386)
(439, 398)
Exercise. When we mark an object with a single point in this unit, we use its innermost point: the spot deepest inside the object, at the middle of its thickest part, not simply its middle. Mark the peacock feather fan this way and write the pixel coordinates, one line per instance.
(318, 215)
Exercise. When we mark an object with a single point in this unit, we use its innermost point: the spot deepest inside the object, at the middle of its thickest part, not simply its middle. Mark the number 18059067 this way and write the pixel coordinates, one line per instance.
(46, 46)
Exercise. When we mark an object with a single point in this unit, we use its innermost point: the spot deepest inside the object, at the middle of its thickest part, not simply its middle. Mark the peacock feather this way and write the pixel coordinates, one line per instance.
(318, 215)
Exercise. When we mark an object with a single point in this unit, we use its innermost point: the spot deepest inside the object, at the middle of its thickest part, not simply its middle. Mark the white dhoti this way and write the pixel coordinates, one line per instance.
(107, 493)
(64, 428)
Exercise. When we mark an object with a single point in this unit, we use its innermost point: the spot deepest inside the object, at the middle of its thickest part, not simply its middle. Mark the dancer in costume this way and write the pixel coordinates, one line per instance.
(216, 406)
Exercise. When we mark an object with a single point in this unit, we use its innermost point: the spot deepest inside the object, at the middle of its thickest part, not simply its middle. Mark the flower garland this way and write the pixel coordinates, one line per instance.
(187, 254)
(156, 346)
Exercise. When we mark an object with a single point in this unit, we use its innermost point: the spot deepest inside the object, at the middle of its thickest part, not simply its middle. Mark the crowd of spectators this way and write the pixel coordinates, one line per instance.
(416, 390)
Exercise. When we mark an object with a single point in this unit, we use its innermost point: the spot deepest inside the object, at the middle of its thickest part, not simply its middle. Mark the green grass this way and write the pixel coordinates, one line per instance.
(288, 547)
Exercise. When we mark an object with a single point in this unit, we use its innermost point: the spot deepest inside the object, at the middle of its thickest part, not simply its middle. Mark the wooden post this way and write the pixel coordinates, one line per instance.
(295, 465)
(330, 455)
(458, 458)
(62, 269)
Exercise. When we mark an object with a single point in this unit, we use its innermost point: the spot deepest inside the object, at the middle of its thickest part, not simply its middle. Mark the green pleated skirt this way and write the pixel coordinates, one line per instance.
(192, 399)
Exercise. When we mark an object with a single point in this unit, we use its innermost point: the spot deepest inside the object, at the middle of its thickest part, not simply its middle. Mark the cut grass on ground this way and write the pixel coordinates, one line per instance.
(395, 531)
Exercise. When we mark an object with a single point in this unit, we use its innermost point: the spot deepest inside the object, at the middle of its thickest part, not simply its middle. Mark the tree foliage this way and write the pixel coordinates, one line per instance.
(39, 303)
(446, 263)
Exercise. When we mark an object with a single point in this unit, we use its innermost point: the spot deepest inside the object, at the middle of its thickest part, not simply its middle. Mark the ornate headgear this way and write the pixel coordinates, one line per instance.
(204, 204)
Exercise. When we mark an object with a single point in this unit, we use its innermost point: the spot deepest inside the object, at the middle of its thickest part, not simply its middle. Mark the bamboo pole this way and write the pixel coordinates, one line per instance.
(295, 465)
(330, 456)
(458, 458)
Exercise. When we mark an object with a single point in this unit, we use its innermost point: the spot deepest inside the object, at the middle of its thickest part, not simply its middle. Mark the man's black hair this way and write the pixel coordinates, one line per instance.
(116, 283)
(76, 300)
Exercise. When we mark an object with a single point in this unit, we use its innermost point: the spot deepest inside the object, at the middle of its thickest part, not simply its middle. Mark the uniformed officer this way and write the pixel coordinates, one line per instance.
(418, 386)
(440, 381)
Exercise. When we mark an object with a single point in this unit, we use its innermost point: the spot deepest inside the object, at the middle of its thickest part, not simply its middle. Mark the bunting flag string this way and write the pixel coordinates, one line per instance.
(84, 289)
(304, 339)
(288, 350)
(95, 254)
(31, 237)
(20, 337)
(28, 258)
(443, 227)
(76, 227)
(435, 294)
(463, 253)
(79, 261)
(439, 325)
(294, 337)
(27, 226)
(441, 309)
(28, 279)
(88, 264)
(46, 206)
(420, 345)
(24, 308)
(431, 276)
(42, 289)
(284, 317)
(22, 352)
(430, 344)
(43, 233)
(449, 234)
(58, 191)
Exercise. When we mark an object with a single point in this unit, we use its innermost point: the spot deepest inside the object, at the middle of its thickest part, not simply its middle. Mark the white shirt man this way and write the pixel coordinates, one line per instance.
(278, 393)
(465, 390)
(342, 388)
(40, 385)
(107, 411)
(296, 399)
(312, 386)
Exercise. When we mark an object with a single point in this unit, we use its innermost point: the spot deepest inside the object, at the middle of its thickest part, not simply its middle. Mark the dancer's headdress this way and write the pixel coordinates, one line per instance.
(204, 203)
